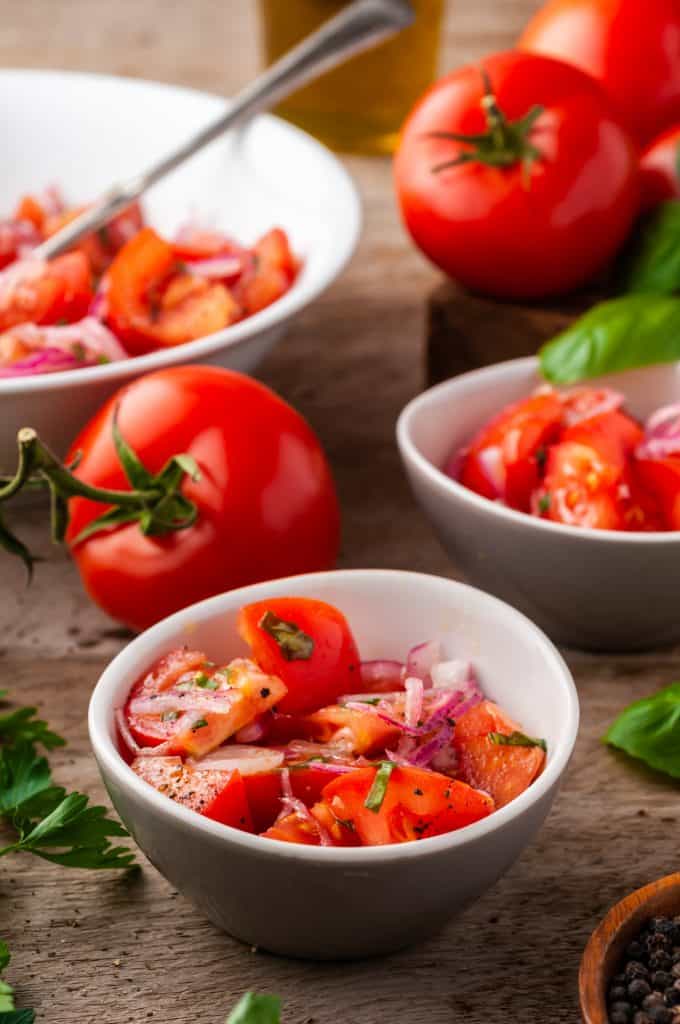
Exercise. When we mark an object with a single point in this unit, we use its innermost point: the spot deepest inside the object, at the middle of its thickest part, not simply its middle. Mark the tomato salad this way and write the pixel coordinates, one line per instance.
(124, 290)
(303, 742)
(578, 458)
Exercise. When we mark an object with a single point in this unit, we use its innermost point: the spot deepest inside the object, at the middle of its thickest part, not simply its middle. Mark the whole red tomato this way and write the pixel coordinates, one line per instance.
(515, 178)
(265, 498)
(660, 168)
(632, 47)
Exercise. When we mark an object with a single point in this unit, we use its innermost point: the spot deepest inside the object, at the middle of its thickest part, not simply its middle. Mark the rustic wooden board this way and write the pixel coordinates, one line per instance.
(466, 331)
(101, 949)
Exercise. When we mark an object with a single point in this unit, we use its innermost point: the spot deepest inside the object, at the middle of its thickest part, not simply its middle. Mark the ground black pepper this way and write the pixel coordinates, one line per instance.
(647, 988)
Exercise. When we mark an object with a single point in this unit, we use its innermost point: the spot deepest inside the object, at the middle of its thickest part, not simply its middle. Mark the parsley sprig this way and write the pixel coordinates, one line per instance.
(47, 821)
(255, 1009)
(8, 1013)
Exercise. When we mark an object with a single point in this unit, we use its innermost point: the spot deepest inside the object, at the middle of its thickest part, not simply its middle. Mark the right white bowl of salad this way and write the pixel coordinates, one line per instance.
(591, 588)
(362, 890)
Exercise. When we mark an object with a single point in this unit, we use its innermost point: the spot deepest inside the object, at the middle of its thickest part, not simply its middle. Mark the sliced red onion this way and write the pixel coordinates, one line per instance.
(662, 434)
(581, 407)
(216, 268)
(448, 675)
(306, 750)
(422, 756)
(131, 743)
(85, 343)
(421, 659)
(493, 467)
(252, 732)
(385, 717)
(369, 698)
(382, 671)
(47, 360)
(413, 706)
(290, 804)
(247, 760)
(196, 700)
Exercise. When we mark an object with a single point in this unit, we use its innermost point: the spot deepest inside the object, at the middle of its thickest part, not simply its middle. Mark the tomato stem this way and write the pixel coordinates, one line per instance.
(503, 144)
(154, 501)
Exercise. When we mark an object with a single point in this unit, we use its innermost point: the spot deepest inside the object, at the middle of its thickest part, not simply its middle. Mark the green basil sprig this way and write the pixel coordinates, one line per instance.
(654, 264)
(649, 730)
(621, 334)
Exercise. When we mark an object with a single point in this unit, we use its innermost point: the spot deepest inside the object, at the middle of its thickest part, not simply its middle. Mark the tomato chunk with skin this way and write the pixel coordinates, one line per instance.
(47, 293)
(271, 274)
(218, 795)
(152, 303)
(505, 459)
(196, 708)
(264, 791)
(362, 732)
(502, 771)
(581, 488)
(306, 643)
(414, 799)
(661, 479)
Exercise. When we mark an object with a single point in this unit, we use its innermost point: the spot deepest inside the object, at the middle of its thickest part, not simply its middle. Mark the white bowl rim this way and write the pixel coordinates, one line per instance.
(447, 486)
(299, 295)
(106, 752)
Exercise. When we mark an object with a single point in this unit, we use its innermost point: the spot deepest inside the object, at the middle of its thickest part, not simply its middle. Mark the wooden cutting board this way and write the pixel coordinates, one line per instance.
(466, 331)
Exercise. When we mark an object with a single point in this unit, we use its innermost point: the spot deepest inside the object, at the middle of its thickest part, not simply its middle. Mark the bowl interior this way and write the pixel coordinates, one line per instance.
(445, 418)
(388, 612)
(84, 132)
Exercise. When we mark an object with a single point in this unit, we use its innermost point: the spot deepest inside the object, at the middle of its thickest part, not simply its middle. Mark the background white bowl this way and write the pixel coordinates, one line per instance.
(83, 132)
(346, 903)
(593, 589)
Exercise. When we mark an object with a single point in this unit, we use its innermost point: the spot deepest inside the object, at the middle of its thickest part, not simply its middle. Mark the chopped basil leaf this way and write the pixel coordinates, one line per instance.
(544, 503)
(374, 800)
(368, 700)
(294, 644)
(200, 724)
(516, 739)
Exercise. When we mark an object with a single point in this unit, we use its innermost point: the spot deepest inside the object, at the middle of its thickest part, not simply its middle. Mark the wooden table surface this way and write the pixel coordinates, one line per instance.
(102, 948)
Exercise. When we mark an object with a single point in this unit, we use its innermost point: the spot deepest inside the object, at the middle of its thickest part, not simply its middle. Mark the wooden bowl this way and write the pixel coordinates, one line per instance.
(608, 942)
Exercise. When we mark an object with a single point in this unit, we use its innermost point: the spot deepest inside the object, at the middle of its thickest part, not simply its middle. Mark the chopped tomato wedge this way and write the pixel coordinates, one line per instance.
(306, 643)
(264, 791)
(153, 303)
(101, 246)
(271, 274)
(413, 800)
(196, 708)
(215, 794)
(581, 488)
(502, 771)
(295, 828)
(56, 292)
(362, 732)
(505, 459)
(615, 435)
(661, 479)
(31, 209)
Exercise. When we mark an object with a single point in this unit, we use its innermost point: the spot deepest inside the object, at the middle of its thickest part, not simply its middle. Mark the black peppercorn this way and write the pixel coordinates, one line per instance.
(661, 1015)
(675, 970)
(672, 994)
(638, 989)
(636, 950)
(620, 1013)
(634, 969)
(650, 1001)
(642, 1018)
(661, 980)
(659, 961)
(618, 993)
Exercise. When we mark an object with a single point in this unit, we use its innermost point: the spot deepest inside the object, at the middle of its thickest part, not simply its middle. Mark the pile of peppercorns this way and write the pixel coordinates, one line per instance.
(647, 989)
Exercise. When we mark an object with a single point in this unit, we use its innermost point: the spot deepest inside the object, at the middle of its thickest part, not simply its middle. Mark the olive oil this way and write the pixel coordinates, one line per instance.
(361, 105)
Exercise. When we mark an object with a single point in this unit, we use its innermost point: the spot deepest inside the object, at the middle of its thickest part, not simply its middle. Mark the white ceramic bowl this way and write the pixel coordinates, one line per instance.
(345, 903)
(593, 589)
(83, 132)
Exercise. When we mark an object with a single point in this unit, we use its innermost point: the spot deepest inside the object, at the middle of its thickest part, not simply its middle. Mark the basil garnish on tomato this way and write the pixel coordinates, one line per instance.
(376, 794)
(649, 730)
(621, 334)
(654, 265)
(516, 739)
(294, 644)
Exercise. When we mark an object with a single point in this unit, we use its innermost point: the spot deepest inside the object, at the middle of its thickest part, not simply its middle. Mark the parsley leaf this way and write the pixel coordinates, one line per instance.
(22, 725)
(293, 642)
(254, 1009)
(50, 823)
(4, 955)
(8, 1014)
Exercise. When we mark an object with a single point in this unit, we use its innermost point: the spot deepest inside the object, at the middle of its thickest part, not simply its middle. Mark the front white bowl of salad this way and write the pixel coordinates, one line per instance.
(267, 175)
(325, 901)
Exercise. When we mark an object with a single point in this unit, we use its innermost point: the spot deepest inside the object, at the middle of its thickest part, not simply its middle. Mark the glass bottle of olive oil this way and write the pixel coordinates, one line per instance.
(361, 105)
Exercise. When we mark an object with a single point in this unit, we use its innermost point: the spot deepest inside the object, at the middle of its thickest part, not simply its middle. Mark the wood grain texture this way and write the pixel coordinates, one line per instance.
(606, 946)
(99, 949)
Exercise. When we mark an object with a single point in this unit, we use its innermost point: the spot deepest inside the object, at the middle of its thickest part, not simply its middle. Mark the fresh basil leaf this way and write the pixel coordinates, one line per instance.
(621, 334)
(516, 739)
(655, 264)
(376, 795)
(254, 1009)
(294, 644)
(649, 729)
